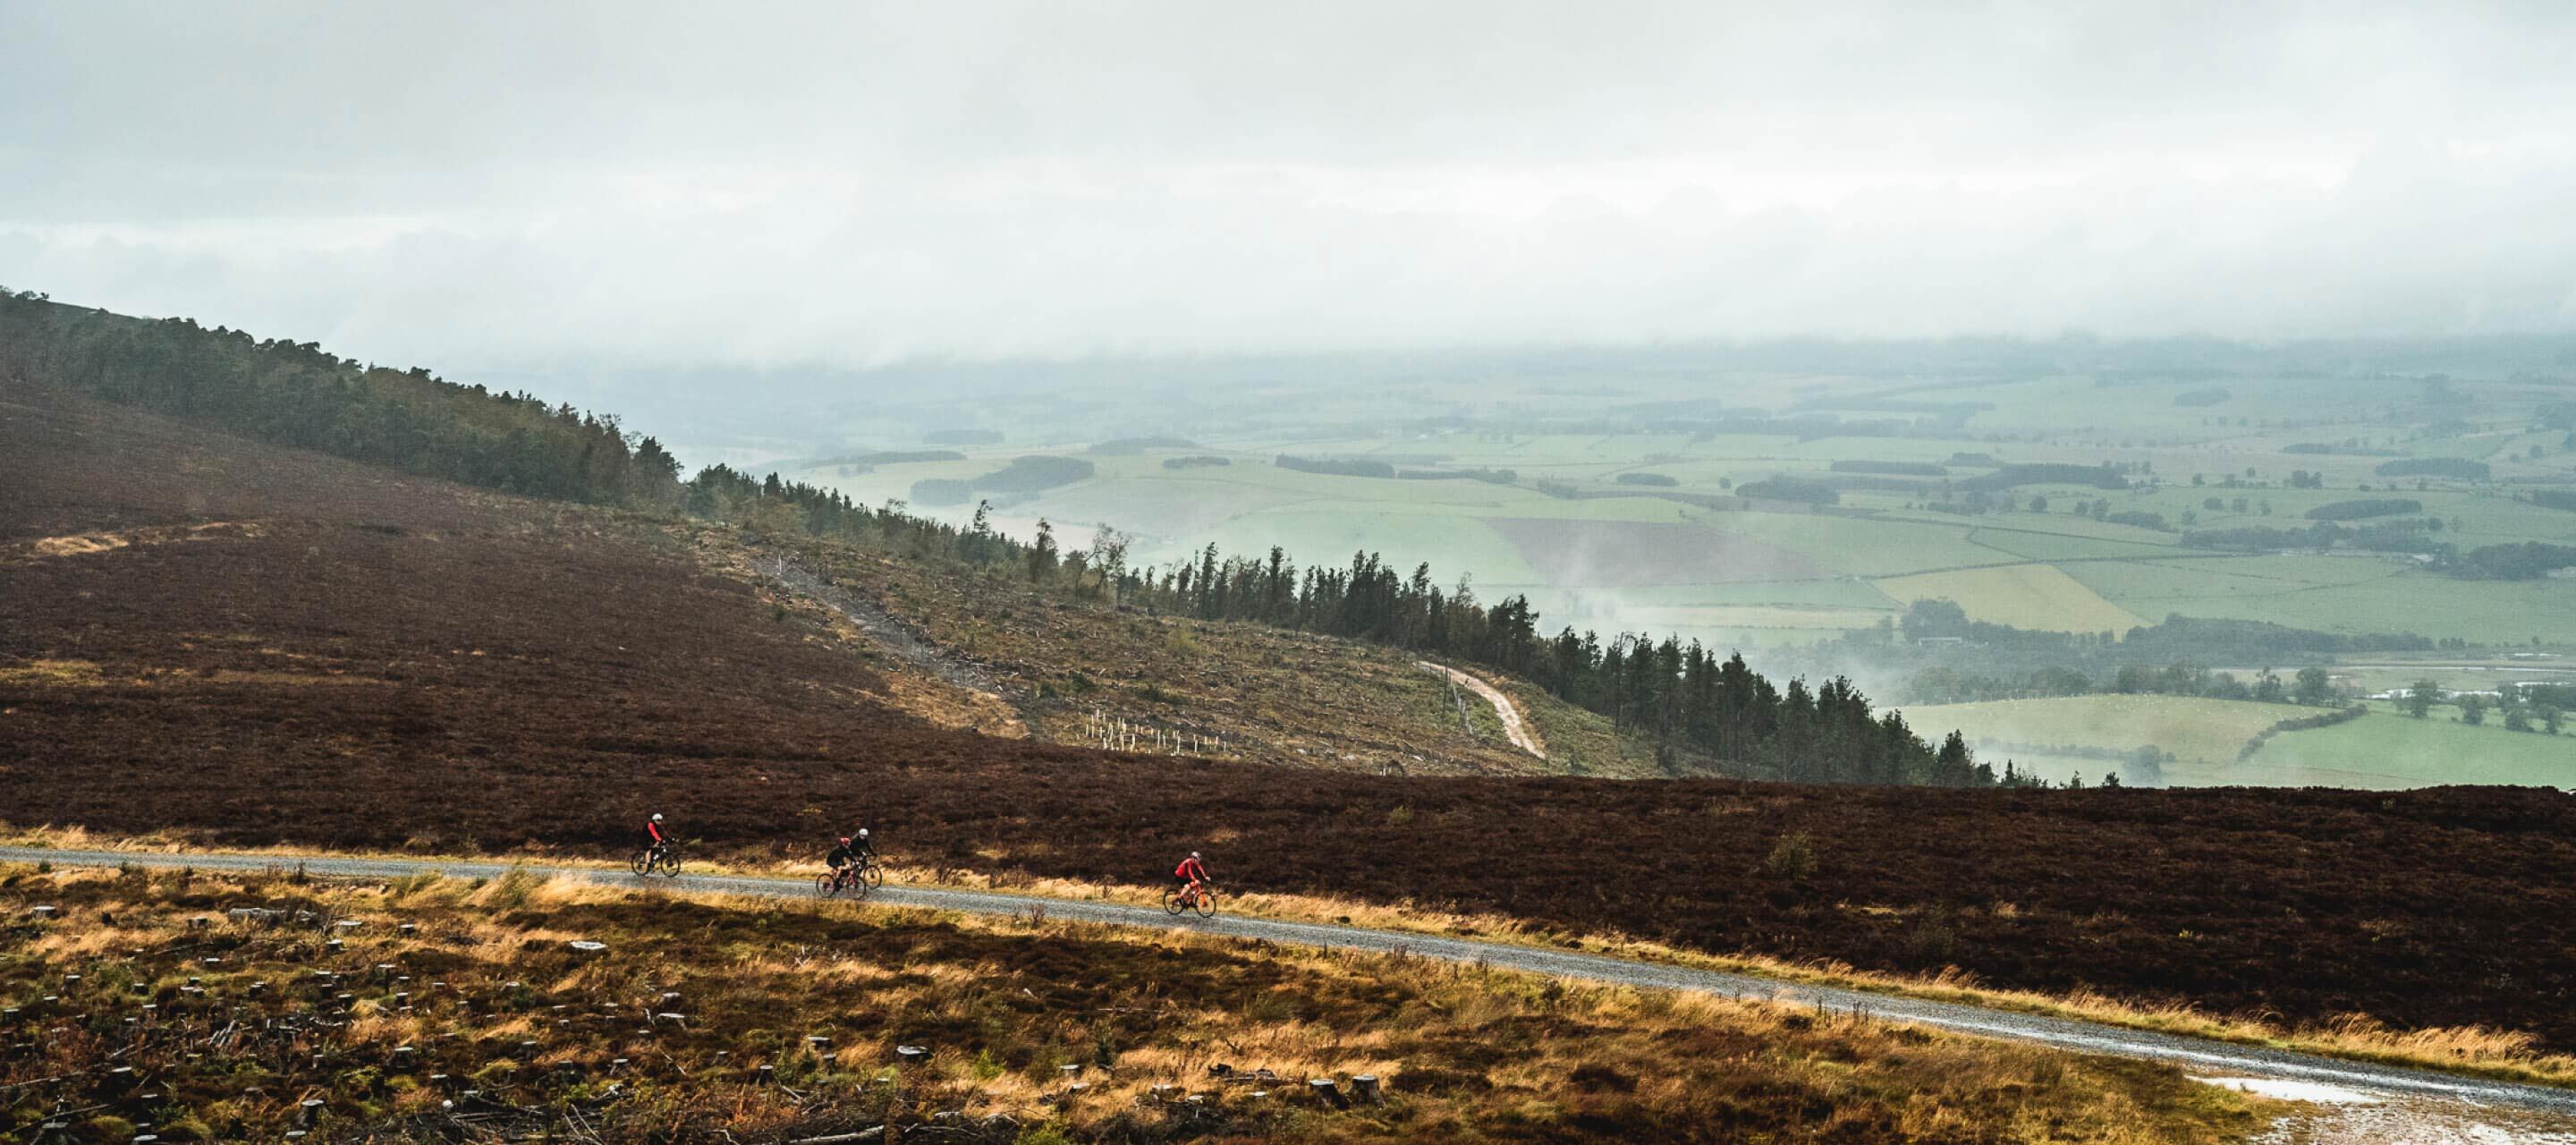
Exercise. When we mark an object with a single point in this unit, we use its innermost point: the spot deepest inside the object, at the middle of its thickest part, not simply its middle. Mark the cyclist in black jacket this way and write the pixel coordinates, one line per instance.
(852, 850)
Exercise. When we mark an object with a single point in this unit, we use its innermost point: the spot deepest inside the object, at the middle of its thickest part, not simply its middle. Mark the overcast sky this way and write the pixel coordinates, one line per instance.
(489, 184)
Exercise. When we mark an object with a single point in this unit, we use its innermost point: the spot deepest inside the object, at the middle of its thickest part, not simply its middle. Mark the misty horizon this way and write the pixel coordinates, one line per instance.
(624, 187)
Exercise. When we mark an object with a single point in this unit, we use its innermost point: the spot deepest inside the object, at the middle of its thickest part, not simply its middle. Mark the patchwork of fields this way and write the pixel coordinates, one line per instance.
(1611, 500)
(2073, 503)
(2384, 750)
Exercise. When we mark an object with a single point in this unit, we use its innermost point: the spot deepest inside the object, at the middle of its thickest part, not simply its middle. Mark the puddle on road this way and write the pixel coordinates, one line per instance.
(2285, 1090)
(2340, 1116)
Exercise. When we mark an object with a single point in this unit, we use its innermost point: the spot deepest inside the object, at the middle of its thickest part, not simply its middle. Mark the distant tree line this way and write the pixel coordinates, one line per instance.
(2456, 467)
(2413, 535)
(294, 394)
(1939, 684)
(1786, 488)
(2366, 507)
(1129, 446)
(1338, 467)
(2102, 476)
(1910, 468)
(2530, 560)
(1945, 657)
(1488, 476)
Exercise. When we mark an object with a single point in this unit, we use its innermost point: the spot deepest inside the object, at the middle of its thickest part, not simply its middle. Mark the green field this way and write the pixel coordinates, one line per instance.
(2202, 735)
(2382, 750)
(2388, 750)
(2024, 596)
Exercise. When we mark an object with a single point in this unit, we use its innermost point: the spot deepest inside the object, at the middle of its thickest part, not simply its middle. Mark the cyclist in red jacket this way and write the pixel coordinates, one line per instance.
(1191, 873)
(655, 838)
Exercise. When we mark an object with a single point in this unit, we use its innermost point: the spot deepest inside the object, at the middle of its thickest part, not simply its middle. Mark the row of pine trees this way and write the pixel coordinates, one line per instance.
(1683, 697)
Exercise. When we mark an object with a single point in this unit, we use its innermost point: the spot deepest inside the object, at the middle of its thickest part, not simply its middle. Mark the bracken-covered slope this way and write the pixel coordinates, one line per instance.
(256, 645)
(1080, 670)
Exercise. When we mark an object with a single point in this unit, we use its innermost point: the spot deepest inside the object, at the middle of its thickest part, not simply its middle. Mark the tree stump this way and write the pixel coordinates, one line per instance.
(1328, 1092)
(1364, 1089)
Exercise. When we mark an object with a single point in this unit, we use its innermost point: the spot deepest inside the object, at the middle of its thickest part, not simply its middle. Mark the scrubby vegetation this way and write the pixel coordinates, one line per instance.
(440, 1010)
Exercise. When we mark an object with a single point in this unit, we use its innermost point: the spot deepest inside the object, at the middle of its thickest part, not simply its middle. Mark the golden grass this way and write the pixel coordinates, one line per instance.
(89, 544)
(53, 673)
(1003, 1003)
(2479, 1051)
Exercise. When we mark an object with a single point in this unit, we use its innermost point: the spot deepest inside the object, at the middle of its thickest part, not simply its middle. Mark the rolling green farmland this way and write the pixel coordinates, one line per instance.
(2202, 735)
(1913, 513)
(2382, 750)
(2024, 596)
(2388, 750)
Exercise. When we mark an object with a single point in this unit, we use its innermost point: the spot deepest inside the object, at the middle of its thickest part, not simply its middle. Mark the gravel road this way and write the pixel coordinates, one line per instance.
(2200, 1056)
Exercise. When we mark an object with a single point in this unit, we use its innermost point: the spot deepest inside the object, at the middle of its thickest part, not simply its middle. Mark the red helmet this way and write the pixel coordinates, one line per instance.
(845, 840)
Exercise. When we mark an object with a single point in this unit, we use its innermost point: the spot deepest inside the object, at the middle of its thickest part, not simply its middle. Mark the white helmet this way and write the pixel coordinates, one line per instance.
(863, 832)
(1194, 854)
(657, 816)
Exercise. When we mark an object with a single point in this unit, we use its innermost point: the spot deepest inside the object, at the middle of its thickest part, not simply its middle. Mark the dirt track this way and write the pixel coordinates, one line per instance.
(2198, 1055)
(1514, 728)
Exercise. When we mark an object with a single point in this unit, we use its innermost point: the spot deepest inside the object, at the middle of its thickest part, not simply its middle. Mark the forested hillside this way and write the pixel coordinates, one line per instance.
(296, 394)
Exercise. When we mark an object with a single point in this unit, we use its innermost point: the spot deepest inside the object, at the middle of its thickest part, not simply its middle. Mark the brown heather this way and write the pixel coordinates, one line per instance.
(698, 995)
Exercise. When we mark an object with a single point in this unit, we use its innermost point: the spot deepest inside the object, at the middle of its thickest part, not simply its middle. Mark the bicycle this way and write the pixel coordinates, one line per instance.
(663, 859)
(1198, 897)
(860, 877)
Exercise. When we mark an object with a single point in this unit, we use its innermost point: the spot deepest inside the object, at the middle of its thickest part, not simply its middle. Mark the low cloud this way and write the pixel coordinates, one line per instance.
(855, 186)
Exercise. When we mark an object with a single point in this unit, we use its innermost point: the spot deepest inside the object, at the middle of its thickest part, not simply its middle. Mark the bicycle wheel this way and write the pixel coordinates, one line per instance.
(874, 876)
(860, 886)
(641, 864)
(1174, 902)
(824, 885)
(671, 866)
(1204, 902)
